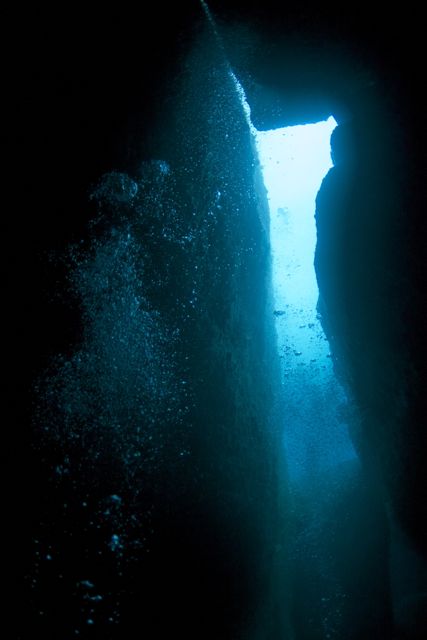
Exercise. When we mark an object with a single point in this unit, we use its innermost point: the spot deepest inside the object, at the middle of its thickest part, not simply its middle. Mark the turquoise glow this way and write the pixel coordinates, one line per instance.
(316, 411)
(294, 161)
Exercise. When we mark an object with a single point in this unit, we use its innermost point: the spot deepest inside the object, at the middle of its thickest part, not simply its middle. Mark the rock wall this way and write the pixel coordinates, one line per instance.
(160, 447)
(368, 294)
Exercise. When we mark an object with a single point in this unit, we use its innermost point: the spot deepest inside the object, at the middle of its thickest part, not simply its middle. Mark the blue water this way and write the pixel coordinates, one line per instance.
(316, 412)
(294, 161)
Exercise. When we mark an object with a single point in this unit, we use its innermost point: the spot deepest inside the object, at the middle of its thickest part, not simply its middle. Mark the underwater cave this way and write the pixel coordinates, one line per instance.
(222, 294)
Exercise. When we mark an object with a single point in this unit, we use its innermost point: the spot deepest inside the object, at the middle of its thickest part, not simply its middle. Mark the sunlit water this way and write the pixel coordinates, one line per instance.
(294, 162)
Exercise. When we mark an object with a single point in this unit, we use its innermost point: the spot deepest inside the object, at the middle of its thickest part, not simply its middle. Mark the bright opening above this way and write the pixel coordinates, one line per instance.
(294, 161)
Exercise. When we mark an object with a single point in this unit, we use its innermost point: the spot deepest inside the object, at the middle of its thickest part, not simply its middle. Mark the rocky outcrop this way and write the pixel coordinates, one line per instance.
(367, 295)
(161, 444)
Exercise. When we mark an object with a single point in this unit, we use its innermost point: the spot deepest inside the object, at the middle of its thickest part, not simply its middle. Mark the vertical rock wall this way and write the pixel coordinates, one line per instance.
(160, 445)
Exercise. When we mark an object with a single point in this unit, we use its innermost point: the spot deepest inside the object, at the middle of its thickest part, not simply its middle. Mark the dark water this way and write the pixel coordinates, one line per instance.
(162, 504)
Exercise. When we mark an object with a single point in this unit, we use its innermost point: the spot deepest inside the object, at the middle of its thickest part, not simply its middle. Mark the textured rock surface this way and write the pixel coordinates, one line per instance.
(368, 294)
(160, 450)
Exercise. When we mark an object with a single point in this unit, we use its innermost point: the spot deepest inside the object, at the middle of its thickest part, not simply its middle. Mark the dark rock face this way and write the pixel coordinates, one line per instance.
(362, 260)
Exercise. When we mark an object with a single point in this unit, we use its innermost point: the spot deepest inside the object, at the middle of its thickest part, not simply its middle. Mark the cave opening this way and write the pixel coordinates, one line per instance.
(294, 160)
